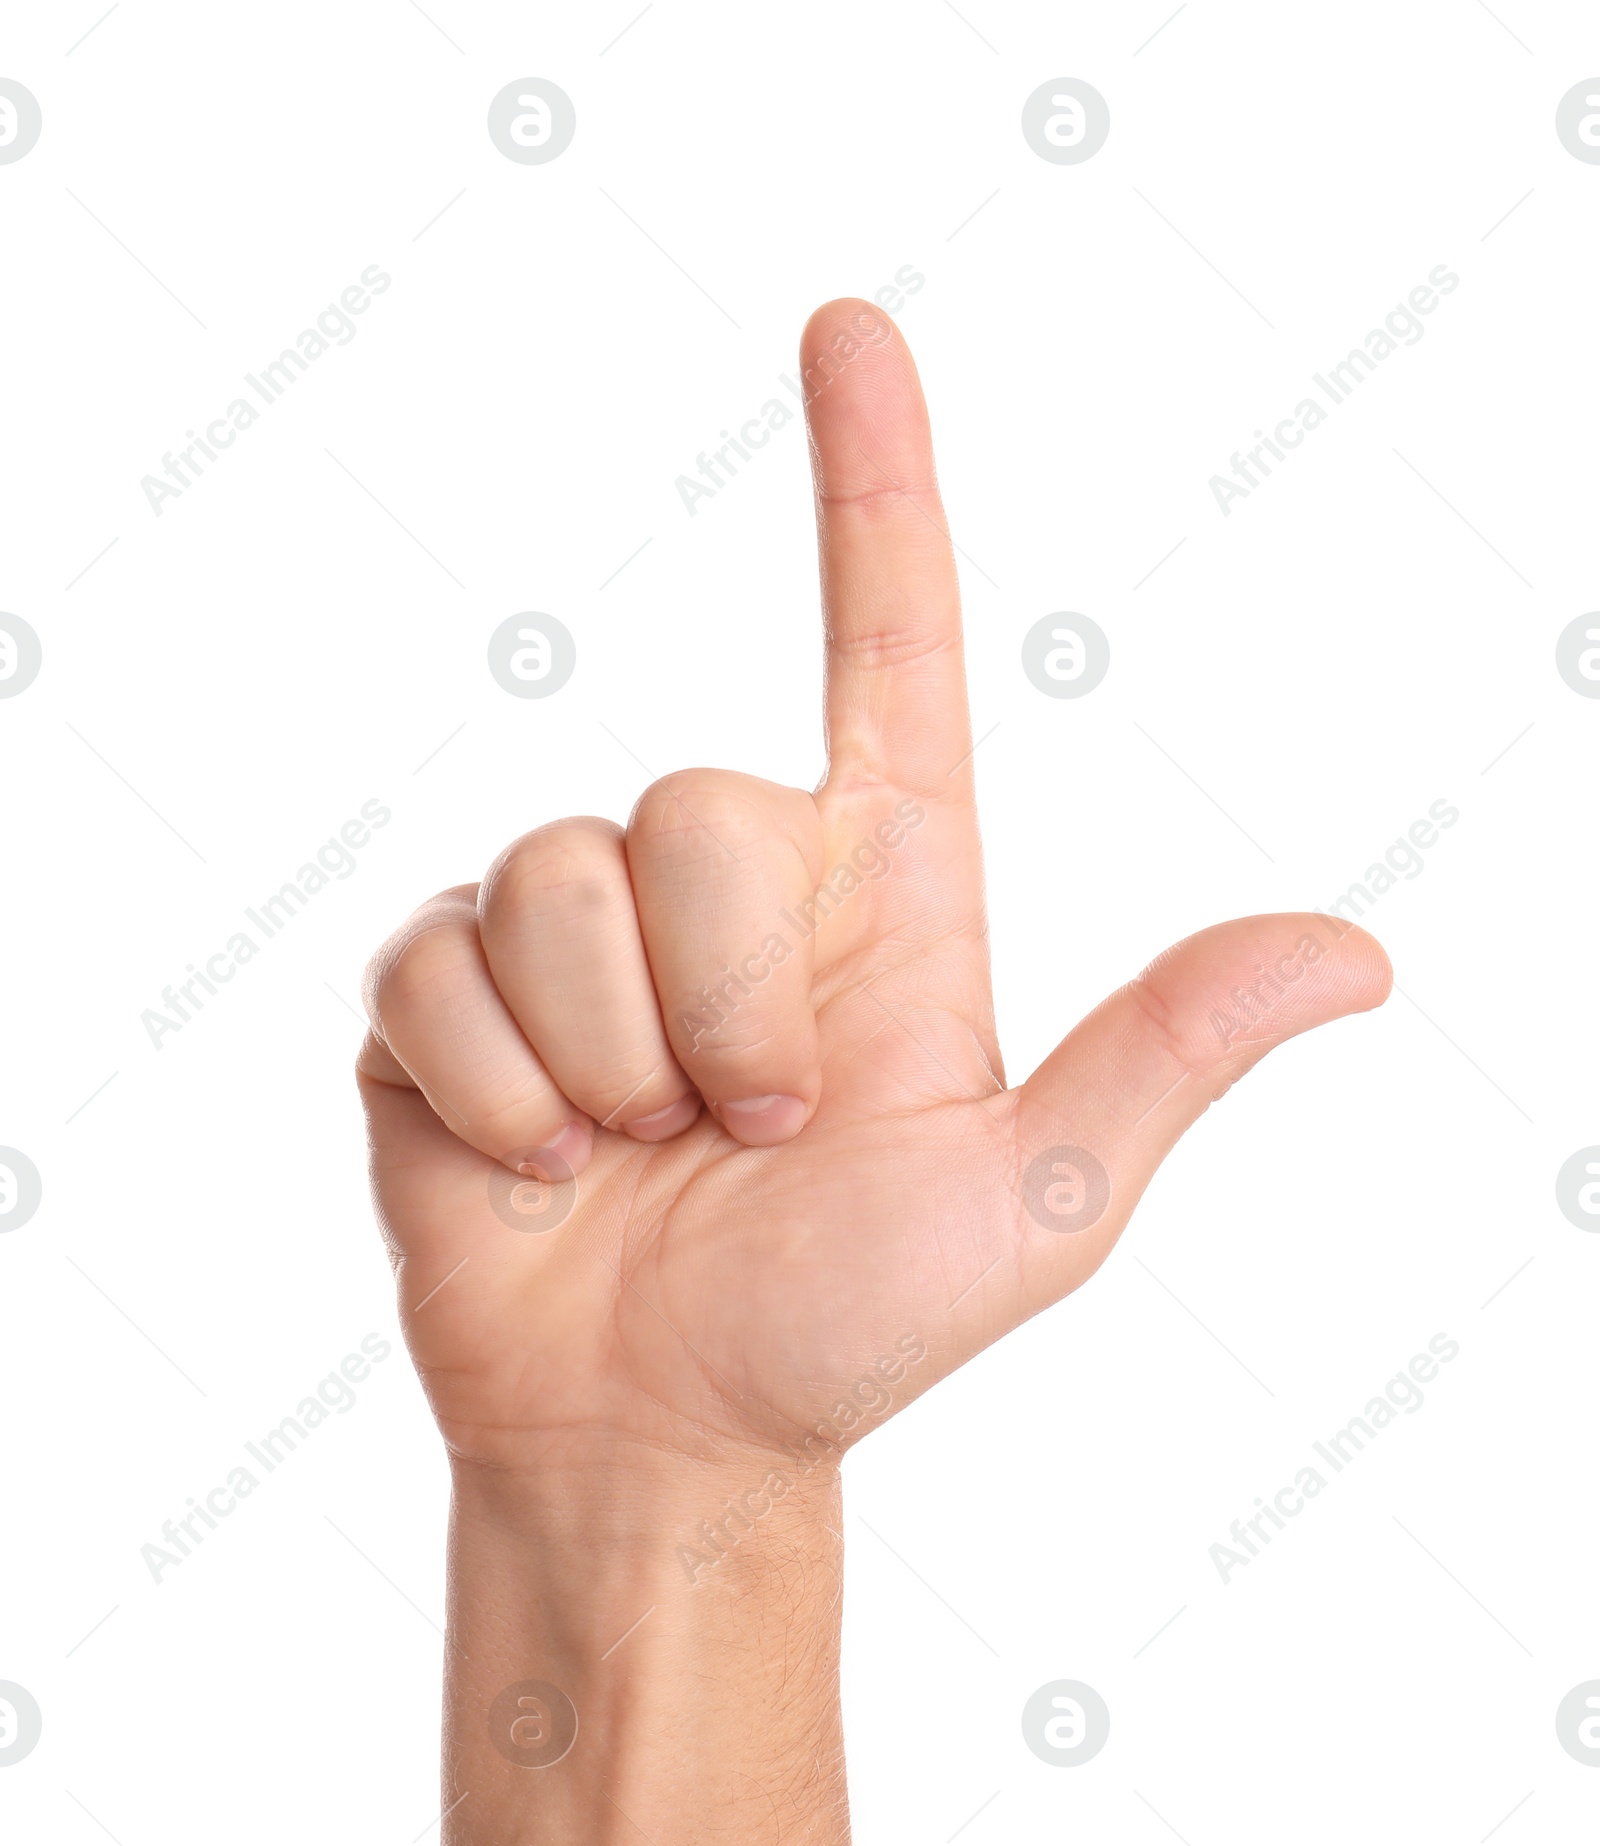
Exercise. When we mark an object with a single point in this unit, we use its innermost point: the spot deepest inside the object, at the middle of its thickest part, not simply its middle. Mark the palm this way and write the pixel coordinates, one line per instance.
(703, 1283)
(700, 1291)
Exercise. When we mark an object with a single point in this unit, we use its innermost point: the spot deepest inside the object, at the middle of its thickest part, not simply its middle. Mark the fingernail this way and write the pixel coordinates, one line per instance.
(664, 1123)
(570, 1148)
(763, 1121)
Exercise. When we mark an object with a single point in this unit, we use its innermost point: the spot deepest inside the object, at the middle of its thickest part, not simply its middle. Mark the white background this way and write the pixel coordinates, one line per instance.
(1341, 651)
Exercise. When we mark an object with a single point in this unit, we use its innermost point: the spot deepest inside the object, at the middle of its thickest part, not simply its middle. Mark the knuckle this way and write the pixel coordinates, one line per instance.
(740, 1040)
(737, 1054)
(640, 1090)
(889, 647)
(912, 500)
(1182, 1034)
(573, 867)
(424, 967)
(525, 1114)
(694, 808)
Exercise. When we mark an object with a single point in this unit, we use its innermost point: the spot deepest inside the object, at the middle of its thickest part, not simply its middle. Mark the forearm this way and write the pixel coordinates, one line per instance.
(705, 1694)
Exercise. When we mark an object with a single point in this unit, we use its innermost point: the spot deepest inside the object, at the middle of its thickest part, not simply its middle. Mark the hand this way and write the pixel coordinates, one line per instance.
(801, 1192)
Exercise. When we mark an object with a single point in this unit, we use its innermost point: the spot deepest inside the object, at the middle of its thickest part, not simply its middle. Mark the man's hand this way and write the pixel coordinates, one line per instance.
(694, 1151)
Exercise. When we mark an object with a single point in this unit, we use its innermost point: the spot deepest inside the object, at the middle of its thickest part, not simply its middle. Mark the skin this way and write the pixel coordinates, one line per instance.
(645, 1403)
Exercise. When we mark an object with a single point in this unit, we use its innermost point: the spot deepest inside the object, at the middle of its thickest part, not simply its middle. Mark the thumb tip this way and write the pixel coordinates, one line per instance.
(1269, 978)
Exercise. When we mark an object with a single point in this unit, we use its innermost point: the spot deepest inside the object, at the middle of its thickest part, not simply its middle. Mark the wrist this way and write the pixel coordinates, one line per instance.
(673, 1625)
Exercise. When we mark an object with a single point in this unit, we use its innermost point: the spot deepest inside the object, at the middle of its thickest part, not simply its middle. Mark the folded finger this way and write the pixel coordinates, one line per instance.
(434, 1007)
(561, 937)
(723, 868)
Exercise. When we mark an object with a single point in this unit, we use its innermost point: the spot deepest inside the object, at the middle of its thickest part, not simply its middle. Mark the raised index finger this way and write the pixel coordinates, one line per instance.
(897, 693)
